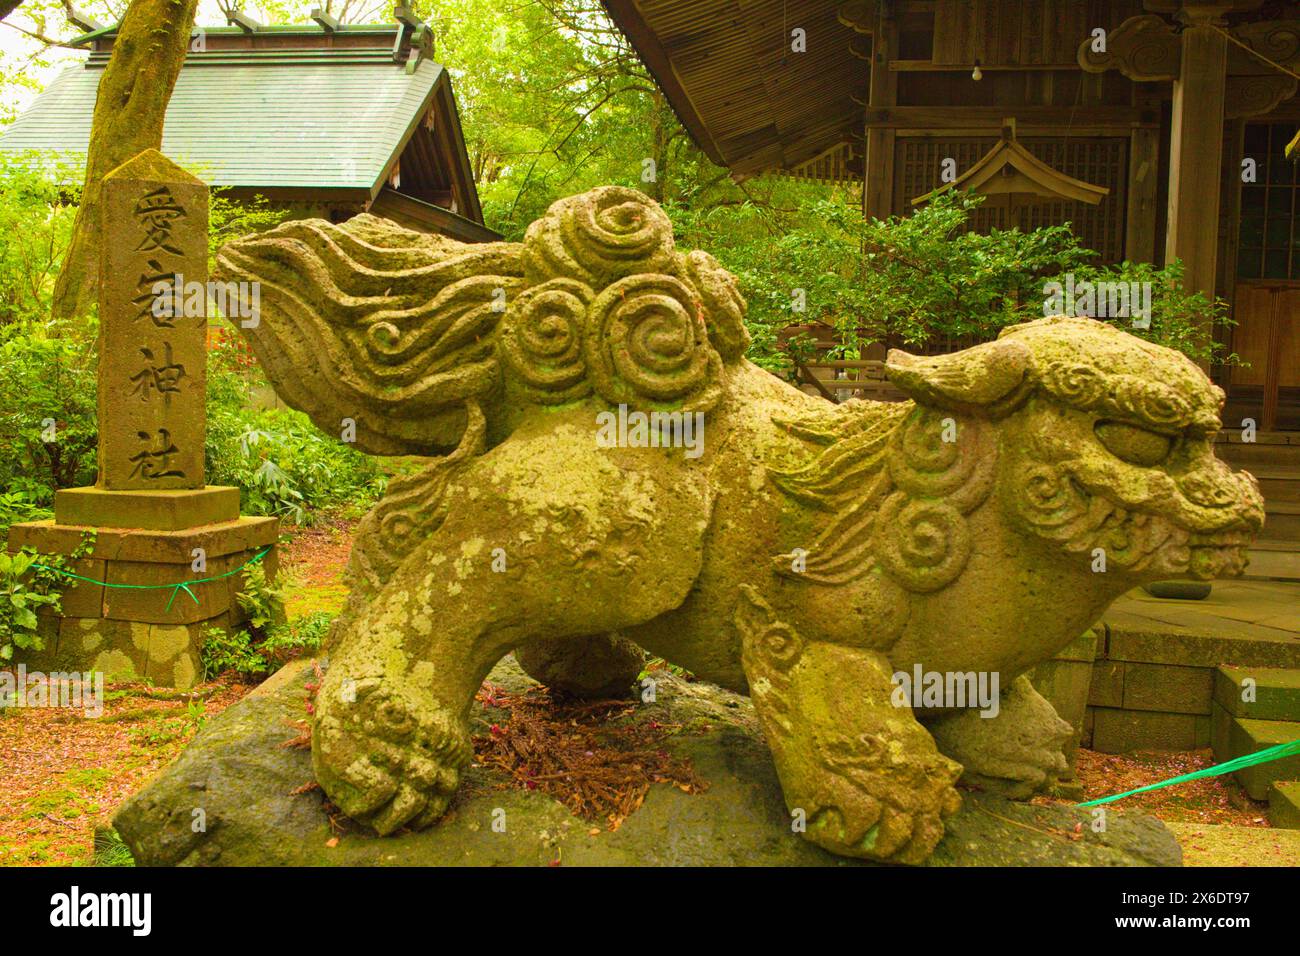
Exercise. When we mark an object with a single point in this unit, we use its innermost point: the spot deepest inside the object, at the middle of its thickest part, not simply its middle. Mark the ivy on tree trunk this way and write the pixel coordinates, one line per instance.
(129, 110)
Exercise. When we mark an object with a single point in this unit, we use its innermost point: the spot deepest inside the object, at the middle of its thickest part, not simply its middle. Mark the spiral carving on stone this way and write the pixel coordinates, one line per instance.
(941, 467)
(598, 237)
(541, 341)
(1076, 385)
(938, 455)
(1152, 402)
(724, 306)
(1126, 396)
(1050, 502)
(646, 344)
(925, 543)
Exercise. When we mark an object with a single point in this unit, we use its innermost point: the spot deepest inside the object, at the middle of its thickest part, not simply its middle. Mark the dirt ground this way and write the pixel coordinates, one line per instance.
(1212, 800)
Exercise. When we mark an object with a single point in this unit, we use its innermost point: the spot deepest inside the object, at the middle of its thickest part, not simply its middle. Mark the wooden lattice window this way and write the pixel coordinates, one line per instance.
(1268, 245)
(1101, 161)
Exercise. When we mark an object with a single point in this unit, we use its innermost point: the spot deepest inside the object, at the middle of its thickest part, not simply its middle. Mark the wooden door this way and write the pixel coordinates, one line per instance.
(1267, 337)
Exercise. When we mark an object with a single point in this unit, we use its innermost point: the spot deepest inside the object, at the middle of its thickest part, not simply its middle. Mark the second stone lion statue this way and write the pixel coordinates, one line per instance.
(809, 553)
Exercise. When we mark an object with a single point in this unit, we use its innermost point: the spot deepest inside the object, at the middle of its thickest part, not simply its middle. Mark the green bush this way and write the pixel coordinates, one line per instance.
(229, 652)
(16, 506)
(20, 598)
(924, 281)
(47, 406)
(284, 464)
(268, 640)
(252, 658)
(36, 216)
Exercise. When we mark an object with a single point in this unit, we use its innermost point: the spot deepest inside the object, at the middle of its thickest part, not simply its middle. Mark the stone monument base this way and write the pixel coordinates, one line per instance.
(131, 632)
(260, 810)
(152, 510)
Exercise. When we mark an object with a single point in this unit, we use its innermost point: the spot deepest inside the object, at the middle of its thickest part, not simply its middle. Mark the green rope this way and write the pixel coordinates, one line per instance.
(176, 588)
(1240, 763)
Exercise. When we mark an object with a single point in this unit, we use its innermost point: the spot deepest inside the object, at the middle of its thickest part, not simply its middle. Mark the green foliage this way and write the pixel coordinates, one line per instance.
(300, 636)
(284, 464)
(15, 506)
(267, 641)
(111, 850)
(923, 281)
(554, 101)
(1180, 319)
(230, 219)
(47, 378)
(36, 216)
(229, 652)
(24, 590)
(262, 600)
(251, 658)
(29, 581)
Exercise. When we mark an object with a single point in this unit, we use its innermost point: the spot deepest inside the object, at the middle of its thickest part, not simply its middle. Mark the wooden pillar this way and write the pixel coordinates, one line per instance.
(1196, 145)
(1140, 216)
(878, 169)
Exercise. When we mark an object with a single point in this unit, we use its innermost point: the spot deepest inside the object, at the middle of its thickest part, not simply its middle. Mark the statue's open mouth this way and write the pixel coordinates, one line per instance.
(1219, 555)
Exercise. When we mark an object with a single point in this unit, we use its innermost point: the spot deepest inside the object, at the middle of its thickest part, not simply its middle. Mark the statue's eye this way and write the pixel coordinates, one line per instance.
(1137, 446)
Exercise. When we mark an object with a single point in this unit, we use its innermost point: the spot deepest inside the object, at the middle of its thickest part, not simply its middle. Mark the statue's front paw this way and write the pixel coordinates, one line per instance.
(892, 811)
(386, 755)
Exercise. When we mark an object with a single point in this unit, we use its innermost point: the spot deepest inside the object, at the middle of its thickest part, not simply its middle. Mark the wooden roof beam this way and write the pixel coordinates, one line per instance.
(326, 22)
(83, 21)
(628, 18)
(237, 18)
(406, 17)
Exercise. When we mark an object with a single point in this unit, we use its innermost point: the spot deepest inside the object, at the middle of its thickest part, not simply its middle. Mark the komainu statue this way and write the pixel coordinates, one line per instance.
(766, 540)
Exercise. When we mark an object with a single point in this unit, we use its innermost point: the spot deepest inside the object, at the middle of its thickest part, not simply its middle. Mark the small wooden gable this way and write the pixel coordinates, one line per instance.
(331, 119)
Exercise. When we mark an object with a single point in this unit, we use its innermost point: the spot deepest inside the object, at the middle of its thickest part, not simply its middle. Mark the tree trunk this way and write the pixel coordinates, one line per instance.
(129, 110)
(660, 146)
(8, 6)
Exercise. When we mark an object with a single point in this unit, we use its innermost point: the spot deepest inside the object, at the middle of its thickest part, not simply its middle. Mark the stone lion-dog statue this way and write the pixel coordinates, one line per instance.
(810, 553)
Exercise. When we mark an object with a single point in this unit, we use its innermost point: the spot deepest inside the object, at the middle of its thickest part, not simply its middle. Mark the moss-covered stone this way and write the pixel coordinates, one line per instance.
(804, 551)
(1167, 687)
(151, 510)
(1274, 693)
(1122, 731)
(132, 632)
(1284, 804)
(242, 780)
(1248, 736)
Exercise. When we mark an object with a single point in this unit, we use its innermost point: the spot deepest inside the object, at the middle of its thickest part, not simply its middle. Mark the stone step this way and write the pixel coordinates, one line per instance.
(1282, 523)
(1260, 454)
(1273, 561)
(1276, 692)
(1208, 844)
(1233, 737)
(1284, 804)
(1278, 484)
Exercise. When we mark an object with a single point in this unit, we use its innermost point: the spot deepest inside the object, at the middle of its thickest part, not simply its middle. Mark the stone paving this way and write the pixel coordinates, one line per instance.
(1214, 845)
(1247, 610)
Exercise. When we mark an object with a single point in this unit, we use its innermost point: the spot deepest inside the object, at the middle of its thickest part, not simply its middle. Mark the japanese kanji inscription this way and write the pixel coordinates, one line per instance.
(152, 327)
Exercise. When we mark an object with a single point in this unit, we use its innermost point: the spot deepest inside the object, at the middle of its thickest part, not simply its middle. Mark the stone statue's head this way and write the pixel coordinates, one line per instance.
(1102, 441)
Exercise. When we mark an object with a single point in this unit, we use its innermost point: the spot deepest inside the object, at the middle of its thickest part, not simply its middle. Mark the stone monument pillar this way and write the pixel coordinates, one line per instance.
(154, 520)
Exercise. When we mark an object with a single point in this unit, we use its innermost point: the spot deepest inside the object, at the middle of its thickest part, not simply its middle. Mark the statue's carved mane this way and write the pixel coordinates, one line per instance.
(409, 331)
(898, 480)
